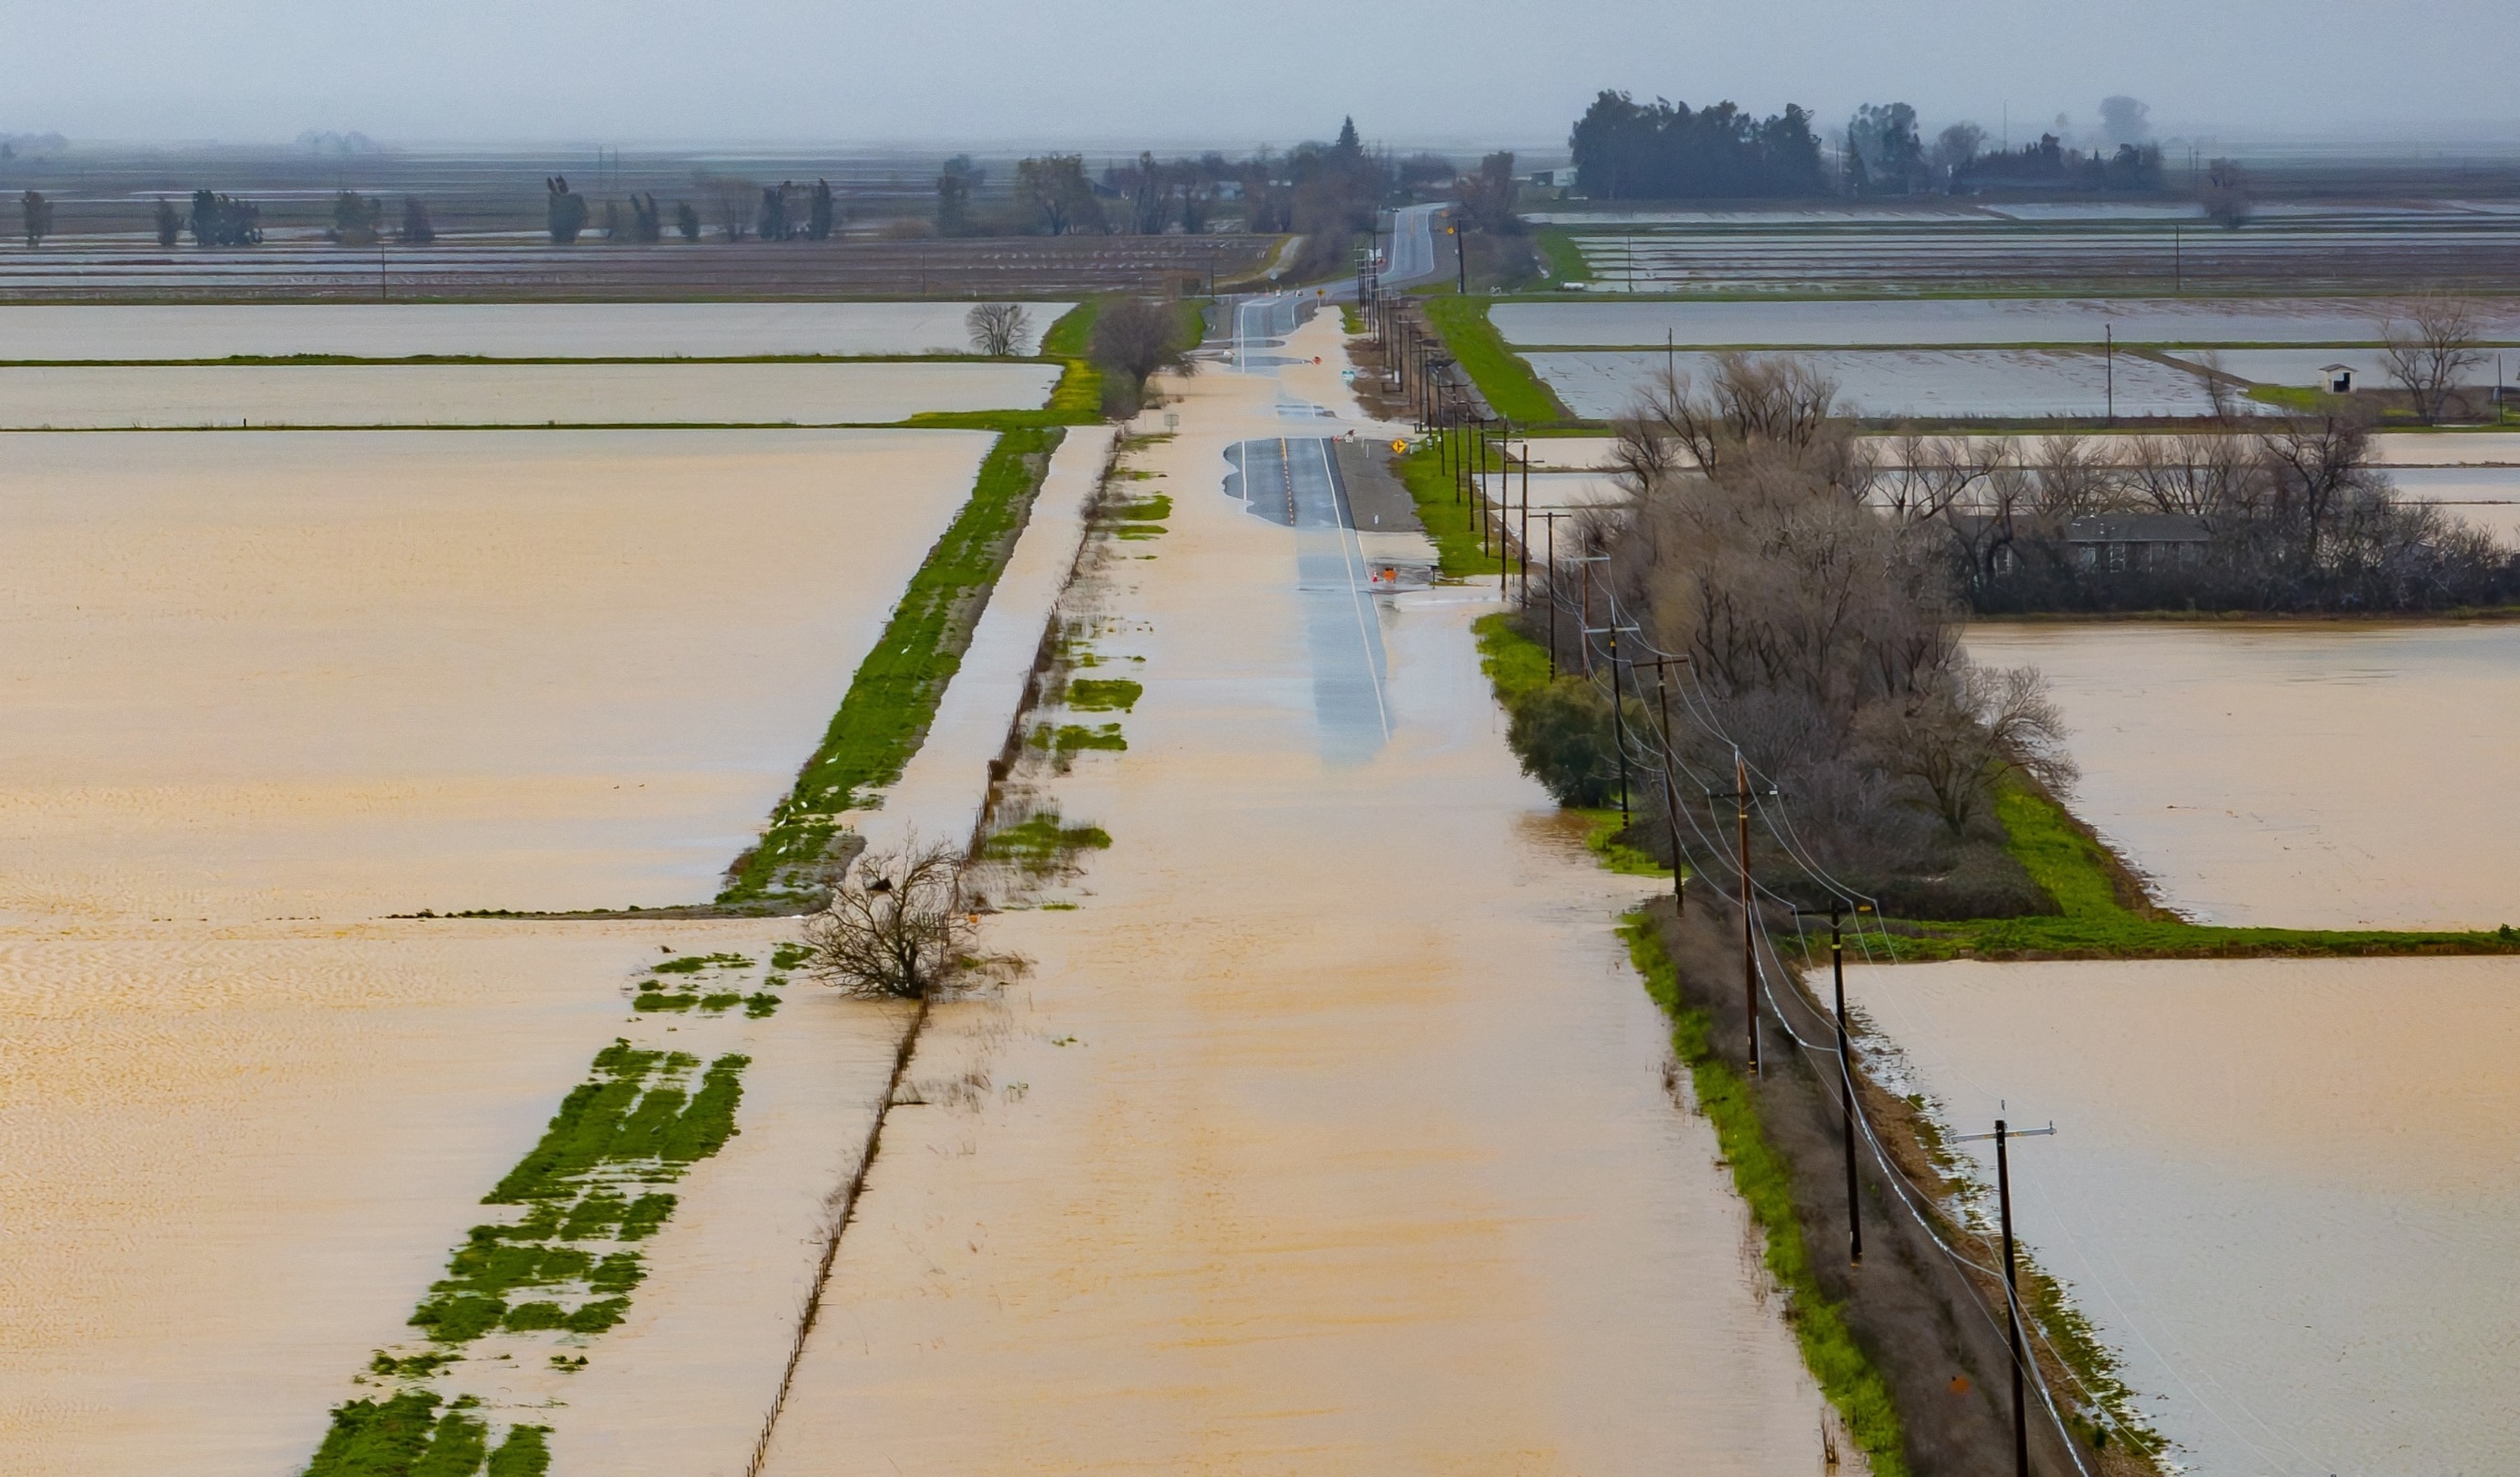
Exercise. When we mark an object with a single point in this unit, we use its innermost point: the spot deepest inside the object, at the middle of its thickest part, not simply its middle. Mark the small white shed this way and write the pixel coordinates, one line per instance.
(2338, 378)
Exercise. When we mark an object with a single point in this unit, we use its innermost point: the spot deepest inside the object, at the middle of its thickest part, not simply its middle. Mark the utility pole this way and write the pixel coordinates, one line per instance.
(1526, 486)
(1618, 702)
(1846, 1070)
(1550, 517)
(1749, 927)
(1670, 787)
(2014, 1338)
(1741, 798)
(1462, 253)
(2178, 267)
(2109, 367)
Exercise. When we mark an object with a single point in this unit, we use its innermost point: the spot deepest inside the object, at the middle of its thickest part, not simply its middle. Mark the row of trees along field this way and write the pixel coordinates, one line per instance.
(1328, 193)
(1626, 150)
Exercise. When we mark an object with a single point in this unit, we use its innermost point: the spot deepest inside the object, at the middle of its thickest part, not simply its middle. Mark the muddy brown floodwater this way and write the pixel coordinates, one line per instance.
(265, 688)
(1329, 1132)
(2308, 775)
(2284, 1190)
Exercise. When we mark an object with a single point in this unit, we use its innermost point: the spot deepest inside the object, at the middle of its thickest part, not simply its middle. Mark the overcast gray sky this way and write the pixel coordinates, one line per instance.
(1117, 71)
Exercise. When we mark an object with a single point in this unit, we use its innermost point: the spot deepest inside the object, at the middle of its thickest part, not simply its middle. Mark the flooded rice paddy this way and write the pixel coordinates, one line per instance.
(266, 687)
(1955, 322)
(113, 397)
(2298, 773)
(1329, 1129)
(524, 329)
(2284, 1190)
(1911, 382)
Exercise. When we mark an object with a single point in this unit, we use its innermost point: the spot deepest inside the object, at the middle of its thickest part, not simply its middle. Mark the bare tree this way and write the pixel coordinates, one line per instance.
(416, 230)
(2219, 383)
(896, 929)
(1131, 339)
(37, 214)
(2226, 195)
(1961, 738)
(2430, 349)
(997, 328)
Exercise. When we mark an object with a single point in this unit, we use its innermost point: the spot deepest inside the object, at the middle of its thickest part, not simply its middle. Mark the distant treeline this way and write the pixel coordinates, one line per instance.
(1626, 150)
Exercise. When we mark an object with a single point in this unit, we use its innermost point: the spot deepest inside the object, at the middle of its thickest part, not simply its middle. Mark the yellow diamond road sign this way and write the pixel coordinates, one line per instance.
(1399, 448)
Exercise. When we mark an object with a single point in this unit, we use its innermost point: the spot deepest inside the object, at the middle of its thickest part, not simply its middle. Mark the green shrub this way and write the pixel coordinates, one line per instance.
(1563, 733)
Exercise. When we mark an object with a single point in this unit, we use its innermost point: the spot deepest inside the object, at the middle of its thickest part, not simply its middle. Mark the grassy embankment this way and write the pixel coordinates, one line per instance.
(1846, 1373)
(884, 714)
(2103, 917)
(890, 701)
(1503, 379)
(590, 1190)
(1558, 249)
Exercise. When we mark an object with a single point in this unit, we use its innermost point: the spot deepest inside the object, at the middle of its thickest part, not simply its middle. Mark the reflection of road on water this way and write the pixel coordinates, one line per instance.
(1328, 1132)
(1296, 483)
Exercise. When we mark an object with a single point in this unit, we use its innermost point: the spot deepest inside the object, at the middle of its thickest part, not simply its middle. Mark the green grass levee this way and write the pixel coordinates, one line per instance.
(892, 699)
(2097, 921)
(1506, 382)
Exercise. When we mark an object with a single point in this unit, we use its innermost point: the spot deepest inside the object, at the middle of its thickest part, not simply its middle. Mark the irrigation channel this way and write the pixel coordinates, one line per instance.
(1330, 1129)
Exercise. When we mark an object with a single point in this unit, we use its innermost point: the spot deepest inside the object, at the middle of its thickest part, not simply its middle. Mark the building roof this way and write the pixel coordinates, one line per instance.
(2138, 528)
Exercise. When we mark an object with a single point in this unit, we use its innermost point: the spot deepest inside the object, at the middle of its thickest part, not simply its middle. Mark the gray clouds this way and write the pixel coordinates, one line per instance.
(1119, 72)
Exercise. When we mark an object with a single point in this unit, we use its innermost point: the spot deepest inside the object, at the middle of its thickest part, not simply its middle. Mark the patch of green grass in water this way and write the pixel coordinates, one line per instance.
(1508, 382)
(1516, 665)
(1602, 831)
(724, 1001)
(1074, 737)
(694, 964)
(1099, 695)
(1041, 843)
(1845, 1373)
(526, 1453)
(893, 696)
(370, 1438)
(759, 1004)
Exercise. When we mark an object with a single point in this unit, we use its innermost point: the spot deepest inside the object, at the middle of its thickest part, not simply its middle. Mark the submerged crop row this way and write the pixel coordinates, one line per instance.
(591, 1191)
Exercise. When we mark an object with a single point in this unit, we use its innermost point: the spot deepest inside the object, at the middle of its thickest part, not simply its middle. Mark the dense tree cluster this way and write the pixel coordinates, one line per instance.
(1625, 150)
(223, 220)
(2292, 518)
(1809, 634)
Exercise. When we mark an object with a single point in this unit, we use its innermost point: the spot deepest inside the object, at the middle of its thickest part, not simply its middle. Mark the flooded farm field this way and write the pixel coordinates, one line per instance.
(2300, 773)
(1328, 1131)
(1904, 382)
(269, 686)
(1957, 322)
(164, 397)
(260, 675)
(2282, 1189)
(518, 330)
(1960, 254)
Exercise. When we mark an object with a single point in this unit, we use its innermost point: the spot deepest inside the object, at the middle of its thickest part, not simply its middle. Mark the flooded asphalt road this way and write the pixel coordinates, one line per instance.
(1328, 1130)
